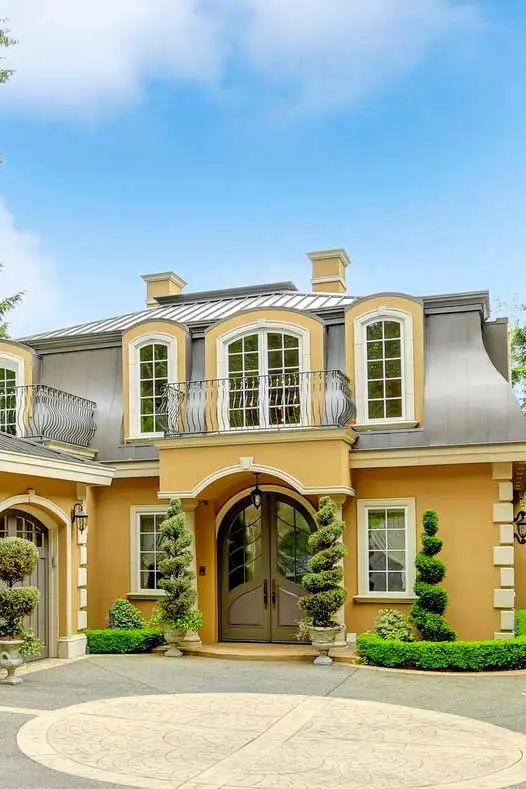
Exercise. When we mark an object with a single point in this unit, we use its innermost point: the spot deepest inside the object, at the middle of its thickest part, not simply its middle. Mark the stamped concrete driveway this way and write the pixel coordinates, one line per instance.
(160, 723)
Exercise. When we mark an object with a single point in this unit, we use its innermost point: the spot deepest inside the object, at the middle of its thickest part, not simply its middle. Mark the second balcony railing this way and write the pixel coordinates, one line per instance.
(44, 413)
(258, 402)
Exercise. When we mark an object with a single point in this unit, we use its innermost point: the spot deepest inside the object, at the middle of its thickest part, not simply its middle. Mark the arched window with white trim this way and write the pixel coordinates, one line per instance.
(384, 367)
(153, 364)
(11, 378)
(261, 369)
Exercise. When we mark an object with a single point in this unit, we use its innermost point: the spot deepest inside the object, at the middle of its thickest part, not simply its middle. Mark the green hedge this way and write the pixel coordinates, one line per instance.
(445, 655)
(521, 623)
(120, 641)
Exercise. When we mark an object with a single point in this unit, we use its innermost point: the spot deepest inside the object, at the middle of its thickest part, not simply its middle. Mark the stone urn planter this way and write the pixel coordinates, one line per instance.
(322, 639)
(10, 659)
(173, 636)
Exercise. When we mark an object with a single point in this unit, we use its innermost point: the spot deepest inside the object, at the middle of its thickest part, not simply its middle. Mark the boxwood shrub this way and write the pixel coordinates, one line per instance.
(521, 623)
(445, 655)
(120, 641)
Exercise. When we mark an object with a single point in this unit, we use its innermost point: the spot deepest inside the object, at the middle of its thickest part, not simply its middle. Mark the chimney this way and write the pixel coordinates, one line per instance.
(164, 284)
(328, 270)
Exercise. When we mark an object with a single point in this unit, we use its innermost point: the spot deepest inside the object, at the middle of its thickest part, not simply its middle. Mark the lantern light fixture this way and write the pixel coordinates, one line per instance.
(79, 516)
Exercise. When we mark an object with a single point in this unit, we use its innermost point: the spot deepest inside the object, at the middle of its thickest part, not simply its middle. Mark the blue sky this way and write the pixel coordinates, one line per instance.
(223, 140)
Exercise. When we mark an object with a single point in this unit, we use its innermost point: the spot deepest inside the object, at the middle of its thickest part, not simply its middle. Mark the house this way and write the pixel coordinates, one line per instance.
(390, 403)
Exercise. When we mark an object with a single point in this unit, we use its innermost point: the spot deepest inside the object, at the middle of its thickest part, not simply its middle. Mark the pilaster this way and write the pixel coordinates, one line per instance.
(503, 550)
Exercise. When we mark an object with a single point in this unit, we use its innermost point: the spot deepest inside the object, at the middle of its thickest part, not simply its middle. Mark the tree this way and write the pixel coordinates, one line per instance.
(325, 595)
(427, 612)
(518, 359)
(7, 304)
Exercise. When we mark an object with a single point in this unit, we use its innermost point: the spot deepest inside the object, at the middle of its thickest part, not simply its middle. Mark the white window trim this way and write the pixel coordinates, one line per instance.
(135, 525)
(261, 326)
(134, 406)
(16, 364)
(408, 368)
(363, 506)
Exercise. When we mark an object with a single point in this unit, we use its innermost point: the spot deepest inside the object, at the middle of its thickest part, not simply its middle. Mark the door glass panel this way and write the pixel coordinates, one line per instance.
(293, 548)
(244, 547)
(283, 379)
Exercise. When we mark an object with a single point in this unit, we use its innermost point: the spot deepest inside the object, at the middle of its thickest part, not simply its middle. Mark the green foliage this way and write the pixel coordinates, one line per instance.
(446, 656)
(325, 595)
(518, 360)
(124, 616)
(178, 578)
(521, 622)
(121, 641)
(32, 645)
(392, 624)
(426, 613)
(5, 41)
(18, 559)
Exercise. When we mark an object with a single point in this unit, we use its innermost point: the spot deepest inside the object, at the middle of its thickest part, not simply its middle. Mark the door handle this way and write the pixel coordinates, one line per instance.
(265, 593)
(273, 592)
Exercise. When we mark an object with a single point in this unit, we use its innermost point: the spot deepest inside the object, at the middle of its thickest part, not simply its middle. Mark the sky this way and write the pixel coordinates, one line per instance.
(224, 139)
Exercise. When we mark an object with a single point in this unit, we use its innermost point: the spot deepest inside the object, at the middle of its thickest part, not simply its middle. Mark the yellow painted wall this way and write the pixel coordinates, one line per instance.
(406, 304)
(176, 330)
(109, 545)
(463, 497)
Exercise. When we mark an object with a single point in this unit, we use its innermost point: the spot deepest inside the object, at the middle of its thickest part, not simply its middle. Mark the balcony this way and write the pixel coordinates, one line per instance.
(284, 401)
(46, 414)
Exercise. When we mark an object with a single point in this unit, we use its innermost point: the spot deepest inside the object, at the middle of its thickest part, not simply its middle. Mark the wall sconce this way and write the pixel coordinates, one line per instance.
(256, 495)
(79, 516)
(520, 527)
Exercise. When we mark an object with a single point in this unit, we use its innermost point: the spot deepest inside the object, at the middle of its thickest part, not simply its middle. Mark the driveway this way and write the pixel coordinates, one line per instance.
(160, 723)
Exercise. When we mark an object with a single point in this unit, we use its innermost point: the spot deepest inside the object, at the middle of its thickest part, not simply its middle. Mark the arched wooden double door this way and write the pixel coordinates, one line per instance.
(263, 556)
(14, 523)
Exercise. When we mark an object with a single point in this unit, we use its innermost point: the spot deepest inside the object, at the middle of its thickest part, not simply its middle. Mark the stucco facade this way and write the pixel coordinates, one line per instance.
(390, 403)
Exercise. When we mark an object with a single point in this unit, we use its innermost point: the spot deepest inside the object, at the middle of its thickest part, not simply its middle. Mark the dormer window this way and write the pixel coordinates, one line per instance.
(153, 364)
(384, 367)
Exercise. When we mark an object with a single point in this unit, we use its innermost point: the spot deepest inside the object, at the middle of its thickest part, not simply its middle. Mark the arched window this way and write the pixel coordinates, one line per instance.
(261, 369)
(152, 366)
(11, 377)
(384, 367)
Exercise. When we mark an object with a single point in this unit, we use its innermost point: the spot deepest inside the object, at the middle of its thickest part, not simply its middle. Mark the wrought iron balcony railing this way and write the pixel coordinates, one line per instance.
(280, 401)
(42, 412)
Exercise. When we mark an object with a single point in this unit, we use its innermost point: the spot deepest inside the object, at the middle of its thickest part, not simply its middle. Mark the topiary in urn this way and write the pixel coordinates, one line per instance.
(325, 593)
(18, 559)
(427, 612)
(176, 609)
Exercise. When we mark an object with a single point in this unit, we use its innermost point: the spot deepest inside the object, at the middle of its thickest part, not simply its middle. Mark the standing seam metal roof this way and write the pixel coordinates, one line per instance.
(199, 312)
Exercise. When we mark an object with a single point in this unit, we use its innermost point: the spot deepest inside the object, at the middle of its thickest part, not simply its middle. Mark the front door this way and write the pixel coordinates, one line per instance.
(263, 555)
(19, 524)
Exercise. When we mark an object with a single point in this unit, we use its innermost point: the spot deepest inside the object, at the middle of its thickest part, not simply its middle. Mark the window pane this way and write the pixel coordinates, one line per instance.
(292, 358)
(375, 370)
(161, 370)
(147, 406)
(377, 409)
(275, 360)
(396, 560)
(392, 349)
(396, 582)
(146, 370)
(146, 353)
(394, 409)
(376, 519)
(374, 331)
(393, 369)
(274, 341)
(146, 388)
(374, 350)
(376, 390)
(147, 424)
(396, 519)
(378, 560)
(291, 342)
(252, 362)
(393, 389)
(391, 329)
(251, 343)
(235, 363)
(161, 352)
(236, 347)
(377, 582)
(395, 539)
(377, 540)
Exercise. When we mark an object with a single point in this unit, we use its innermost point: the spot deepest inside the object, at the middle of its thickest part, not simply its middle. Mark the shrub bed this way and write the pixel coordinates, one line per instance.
(120, 641)
(443, 656)
(521, 623)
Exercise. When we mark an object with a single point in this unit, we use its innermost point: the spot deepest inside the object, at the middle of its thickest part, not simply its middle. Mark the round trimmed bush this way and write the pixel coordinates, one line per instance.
(391, 623)
(124, 616)
(18, 559)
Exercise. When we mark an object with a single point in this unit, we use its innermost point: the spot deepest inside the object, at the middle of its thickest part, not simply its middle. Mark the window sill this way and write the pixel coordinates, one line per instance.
(364, 598)
(385, 425)
(153, 595)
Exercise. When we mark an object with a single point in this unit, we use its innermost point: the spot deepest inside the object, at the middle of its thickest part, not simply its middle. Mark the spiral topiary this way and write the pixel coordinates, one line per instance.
(18, 559)
(323, 583)
(176, 606)
(427, 612)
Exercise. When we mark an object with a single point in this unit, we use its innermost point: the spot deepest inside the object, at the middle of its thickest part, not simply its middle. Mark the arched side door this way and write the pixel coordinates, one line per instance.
(263, 555)
(14, 523)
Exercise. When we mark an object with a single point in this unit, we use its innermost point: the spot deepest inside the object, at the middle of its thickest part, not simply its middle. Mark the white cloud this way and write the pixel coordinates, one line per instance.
(28, 268)
(77, 57)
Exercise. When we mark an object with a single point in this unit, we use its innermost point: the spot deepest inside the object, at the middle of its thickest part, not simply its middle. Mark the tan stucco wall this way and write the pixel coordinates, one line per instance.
(28, 356)
(169, 328)
(109, 550)
(464, 498)
(416, 310)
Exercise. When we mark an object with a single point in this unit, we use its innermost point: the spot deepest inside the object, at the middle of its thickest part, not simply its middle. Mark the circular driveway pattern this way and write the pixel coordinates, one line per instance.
(229, 740)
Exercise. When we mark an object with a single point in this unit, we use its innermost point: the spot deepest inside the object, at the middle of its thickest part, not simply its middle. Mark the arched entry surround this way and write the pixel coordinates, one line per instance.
(52, 517)
(269, 601)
